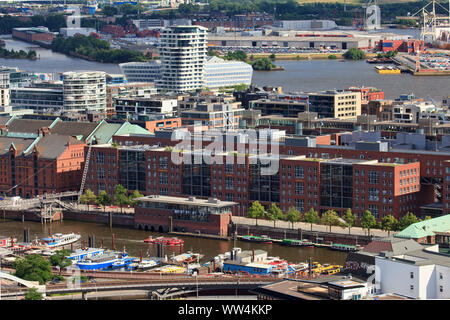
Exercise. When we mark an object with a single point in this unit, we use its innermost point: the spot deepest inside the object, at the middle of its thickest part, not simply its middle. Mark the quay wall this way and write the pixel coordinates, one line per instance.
(313, 236)
(25, 215)
(118, 219)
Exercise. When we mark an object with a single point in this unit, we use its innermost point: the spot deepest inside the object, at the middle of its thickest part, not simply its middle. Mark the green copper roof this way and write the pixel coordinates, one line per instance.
(127, 128)
(426, 228)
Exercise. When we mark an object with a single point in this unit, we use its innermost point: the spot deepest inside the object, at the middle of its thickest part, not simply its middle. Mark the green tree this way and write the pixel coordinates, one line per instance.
(33, 268)
(368, 221)
(136, 194)
(293, 215)
(109, 11)
(274, 213)
(312, 216)
(350, 218)
(272, 56)
(55, 21)
(33, 294)
(408, 219)
(103, 199)
(354, 54)
(256, 211)
(264, 64)
(120, 197)
(87, 197)
(330, 218)
(60, 260)
(388, 223)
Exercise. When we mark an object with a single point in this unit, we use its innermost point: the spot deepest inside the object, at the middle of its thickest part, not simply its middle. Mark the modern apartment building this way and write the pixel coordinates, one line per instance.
(85, 91)
(339, 104)
(45, 96)
(220, 73)
(129, 89)
(129, 107)
(183, 55)
(142, 71)
(213, 115)
(4, 88)
(281, 107)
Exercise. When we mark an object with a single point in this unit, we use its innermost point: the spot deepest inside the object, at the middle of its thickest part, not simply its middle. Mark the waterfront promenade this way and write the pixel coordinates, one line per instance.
(242, 221)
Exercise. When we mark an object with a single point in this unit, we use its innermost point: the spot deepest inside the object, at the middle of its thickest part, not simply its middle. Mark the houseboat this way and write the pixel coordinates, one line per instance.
(344, 247)
(297, 243)
(252, 238)
(102, 261)
(81, 254)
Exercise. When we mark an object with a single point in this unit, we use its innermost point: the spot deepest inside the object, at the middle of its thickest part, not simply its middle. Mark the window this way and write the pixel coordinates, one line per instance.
(441, 289)
(163, 179)
(299, 205)
(100, 157)
(411, 274)
(411, 287)
(163, 162)
(229, 183)
(440, 276)
(299, 172)
(373, 177)
(299, 188)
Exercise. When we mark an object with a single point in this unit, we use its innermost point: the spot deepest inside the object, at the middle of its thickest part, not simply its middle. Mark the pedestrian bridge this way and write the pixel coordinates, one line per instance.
(26, 283)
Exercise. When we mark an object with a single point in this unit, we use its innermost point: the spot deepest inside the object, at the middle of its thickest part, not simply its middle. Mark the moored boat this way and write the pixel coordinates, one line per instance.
(7, 242)
(259, 239)
(297, 243)
(59, 240)
(101, 262)
(166, 241)
(344, 247)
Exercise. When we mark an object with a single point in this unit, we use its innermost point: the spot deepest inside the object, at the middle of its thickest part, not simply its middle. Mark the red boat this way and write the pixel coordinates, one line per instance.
(164, 241)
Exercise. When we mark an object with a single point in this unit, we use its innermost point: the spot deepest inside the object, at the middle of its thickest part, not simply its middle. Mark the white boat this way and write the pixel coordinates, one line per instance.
(6, 242)
(59, 239)
(147, 264)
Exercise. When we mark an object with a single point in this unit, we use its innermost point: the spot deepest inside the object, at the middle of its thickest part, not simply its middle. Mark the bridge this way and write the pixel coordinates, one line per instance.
(28, 284)
(157, 288)
(46, 203)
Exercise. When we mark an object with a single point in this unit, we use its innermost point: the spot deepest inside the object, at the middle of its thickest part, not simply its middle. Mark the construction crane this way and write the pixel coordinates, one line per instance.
(432, 24)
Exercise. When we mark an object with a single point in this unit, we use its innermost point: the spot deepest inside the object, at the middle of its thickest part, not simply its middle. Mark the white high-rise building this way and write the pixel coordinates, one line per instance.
(183, 55)
(84, 91)
(4, 88)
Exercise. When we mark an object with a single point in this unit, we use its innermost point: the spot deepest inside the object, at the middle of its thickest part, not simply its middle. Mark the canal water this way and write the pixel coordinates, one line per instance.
(132, 241)
(298, 76)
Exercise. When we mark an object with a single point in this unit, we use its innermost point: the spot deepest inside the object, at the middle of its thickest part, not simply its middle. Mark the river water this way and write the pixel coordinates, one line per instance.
(298, 76)
(132, 241)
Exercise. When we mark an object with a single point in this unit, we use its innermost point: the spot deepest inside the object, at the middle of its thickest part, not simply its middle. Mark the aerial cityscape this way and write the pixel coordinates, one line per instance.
(252, 150)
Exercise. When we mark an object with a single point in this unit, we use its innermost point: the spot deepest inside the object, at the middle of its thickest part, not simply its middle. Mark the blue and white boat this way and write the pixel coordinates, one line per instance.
(122, 263)
(81, 254)
(59, 240)
(101, 262)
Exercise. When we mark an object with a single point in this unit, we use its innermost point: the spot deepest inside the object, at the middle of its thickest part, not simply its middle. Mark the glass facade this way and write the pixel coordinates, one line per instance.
(132, 170)
(336, 185)
(263, 187)
(196, 179)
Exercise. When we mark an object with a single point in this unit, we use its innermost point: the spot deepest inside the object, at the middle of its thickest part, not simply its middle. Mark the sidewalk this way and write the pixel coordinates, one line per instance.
(307, 227)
